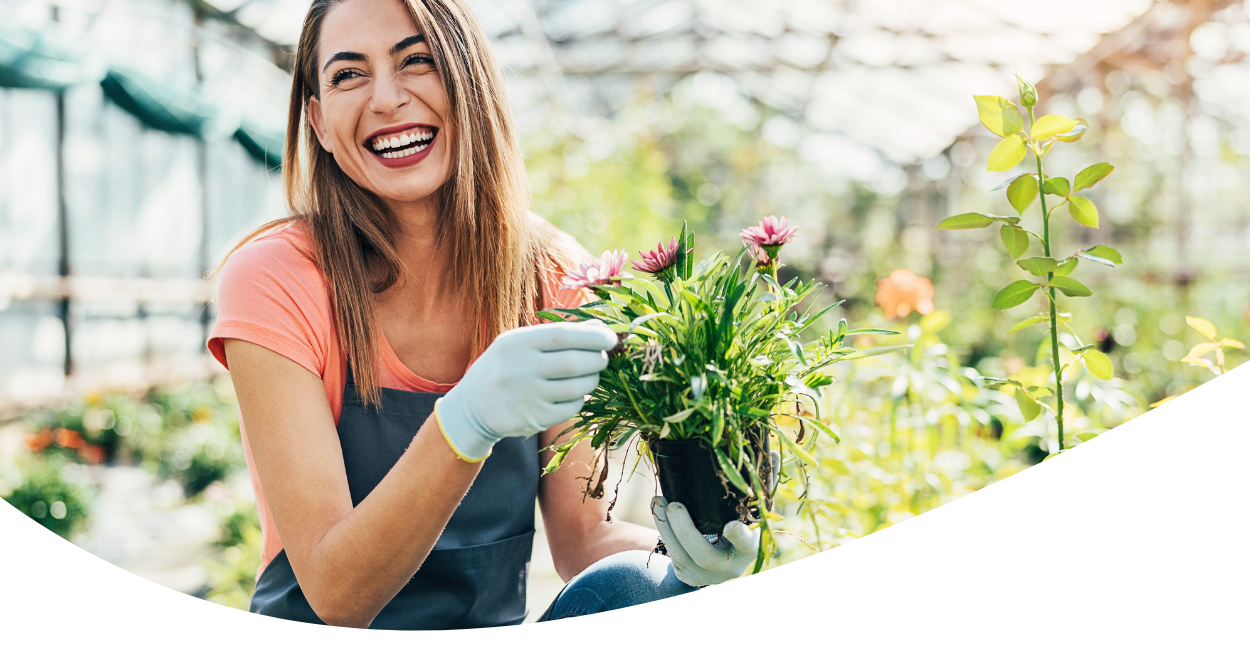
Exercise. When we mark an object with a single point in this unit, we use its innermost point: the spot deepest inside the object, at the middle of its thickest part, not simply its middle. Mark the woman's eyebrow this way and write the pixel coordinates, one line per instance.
(407, 43)
(344, 56)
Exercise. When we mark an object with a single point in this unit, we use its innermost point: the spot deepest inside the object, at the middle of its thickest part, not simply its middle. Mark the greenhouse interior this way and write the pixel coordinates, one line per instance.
(141, 139)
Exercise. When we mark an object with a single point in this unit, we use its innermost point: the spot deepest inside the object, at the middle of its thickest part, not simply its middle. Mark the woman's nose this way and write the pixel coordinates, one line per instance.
(388, 96)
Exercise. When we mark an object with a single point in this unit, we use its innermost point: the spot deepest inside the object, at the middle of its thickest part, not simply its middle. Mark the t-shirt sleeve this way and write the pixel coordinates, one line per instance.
(273, 295)
(554, 294)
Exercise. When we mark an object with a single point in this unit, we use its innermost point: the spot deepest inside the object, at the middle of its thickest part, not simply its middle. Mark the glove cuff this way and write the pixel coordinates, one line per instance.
(461, 436)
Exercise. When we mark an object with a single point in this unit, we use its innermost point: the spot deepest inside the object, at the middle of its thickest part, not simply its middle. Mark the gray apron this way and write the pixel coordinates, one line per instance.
(476, 574)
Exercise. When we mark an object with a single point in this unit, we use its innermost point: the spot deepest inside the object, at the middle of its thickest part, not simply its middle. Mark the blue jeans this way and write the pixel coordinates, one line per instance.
(620, 580)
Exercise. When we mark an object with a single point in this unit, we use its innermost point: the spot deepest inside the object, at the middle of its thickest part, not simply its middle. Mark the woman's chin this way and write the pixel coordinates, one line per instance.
(406, 193)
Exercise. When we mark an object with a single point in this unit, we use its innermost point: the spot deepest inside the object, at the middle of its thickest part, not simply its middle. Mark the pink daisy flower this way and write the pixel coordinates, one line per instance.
(771, 232)
(659, 260)
(607, 270)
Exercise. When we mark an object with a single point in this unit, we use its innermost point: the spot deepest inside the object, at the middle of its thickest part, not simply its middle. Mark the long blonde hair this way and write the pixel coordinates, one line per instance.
(498, 252)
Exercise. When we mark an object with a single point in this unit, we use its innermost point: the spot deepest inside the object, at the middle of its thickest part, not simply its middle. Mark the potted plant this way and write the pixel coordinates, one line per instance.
(710, 362)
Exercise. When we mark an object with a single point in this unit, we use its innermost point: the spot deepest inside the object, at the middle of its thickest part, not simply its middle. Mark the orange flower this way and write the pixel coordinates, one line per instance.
(37, 441)
(92, 454)
(904, 291)
(66, 438)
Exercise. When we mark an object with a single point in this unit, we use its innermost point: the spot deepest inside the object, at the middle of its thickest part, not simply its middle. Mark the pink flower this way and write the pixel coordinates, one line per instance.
(658, 261)
(605, 271)
(771, 232)
(759, 256)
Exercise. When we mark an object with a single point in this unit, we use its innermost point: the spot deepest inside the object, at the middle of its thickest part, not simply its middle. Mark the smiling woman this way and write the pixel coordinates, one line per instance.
(396, 389)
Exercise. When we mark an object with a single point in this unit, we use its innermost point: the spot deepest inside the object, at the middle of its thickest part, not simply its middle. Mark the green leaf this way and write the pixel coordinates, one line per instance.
(1098, 364)
(1086, 436)
(1022, 192)
(1015, 239)
(1203, 326)
(1079, 130)
(1093, 174)
(804, 456)
(1008, 182)
(1102, 254)
(557, 460)
(1051, 125)
(1069, 286)
(1083, 211)
(1029, 408)
(879, 350)
(730, 472)
(1067, 266)
(1014, 294)
(679, 261)
(1038, 266)
(999, 115)
(550, 316)
(1056, 186)
(680, 416)
(1026, 323)
(820, 426)
(870, 331)
(1006, 154)
(966, 221)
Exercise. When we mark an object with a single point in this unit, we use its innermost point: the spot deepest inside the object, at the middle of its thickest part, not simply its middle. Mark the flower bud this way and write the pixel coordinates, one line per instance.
(1028, 93)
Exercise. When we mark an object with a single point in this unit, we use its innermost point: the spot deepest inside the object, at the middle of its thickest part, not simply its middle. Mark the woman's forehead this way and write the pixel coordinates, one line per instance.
(366, 27)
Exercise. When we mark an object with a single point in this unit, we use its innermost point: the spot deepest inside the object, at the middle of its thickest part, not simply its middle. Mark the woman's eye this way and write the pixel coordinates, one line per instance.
(419, 59)
(342, 76)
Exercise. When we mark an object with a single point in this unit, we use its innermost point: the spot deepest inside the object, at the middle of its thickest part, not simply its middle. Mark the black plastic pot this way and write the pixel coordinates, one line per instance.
(689, 474)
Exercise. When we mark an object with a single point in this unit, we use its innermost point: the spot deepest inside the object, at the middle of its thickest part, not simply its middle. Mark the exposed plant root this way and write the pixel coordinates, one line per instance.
(596, 491)
(799, 537)
(617, 493)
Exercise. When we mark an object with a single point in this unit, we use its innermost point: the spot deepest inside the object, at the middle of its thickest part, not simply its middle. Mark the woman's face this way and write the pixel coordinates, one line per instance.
(383, 108)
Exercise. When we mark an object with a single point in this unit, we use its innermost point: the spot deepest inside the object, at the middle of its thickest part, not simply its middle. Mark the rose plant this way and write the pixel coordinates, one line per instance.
(1052, 275)
(711, 355)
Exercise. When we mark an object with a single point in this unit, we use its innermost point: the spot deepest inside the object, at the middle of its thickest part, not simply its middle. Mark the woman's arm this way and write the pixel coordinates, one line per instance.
(349, 562)
(577, 529)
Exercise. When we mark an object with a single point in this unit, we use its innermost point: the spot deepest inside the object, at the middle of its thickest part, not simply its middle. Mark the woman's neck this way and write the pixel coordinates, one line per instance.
(424, 284)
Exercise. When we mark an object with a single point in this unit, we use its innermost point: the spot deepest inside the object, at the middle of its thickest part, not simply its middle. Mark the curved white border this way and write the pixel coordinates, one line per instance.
(1135, 540)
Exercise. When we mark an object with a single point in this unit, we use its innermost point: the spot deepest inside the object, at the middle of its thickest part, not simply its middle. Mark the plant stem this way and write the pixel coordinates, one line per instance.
(1054, 330)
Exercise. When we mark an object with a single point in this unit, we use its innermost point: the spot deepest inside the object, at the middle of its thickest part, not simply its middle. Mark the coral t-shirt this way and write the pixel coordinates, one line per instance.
(272, 294)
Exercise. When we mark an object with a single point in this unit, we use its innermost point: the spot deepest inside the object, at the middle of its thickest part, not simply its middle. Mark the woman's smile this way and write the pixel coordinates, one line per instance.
(402, 146)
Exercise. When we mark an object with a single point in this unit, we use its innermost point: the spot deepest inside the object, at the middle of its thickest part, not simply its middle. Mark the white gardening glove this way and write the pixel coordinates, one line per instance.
(527, 380)
(696, 560)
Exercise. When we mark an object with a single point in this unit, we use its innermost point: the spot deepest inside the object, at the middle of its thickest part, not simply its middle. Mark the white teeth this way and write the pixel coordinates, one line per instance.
(403, 140)
(407, 152)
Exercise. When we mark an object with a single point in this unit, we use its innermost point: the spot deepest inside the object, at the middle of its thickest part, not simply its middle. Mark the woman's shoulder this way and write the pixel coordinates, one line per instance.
(287, 246)
(271, 292)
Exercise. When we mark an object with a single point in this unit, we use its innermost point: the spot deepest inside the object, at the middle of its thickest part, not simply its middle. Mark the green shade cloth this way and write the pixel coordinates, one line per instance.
(30, 60)
(157, 105)
(265, 145)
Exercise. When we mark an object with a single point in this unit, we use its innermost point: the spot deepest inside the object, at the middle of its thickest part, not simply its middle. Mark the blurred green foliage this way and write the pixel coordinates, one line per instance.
(51, 491)
(232, 579)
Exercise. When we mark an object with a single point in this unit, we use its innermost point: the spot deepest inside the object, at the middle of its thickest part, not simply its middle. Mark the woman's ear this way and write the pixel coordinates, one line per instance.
(314, 117)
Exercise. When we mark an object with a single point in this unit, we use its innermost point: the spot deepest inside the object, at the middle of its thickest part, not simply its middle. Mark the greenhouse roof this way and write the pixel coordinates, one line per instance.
(892, 77)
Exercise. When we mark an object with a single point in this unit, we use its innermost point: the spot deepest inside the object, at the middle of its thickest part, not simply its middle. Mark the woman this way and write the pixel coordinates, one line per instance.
(396, 488)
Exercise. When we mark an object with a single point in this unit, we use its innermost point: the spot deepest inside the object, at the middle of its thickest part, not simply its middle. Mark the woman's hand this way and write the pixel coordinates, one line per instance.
(696, 560)
(527, 380)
